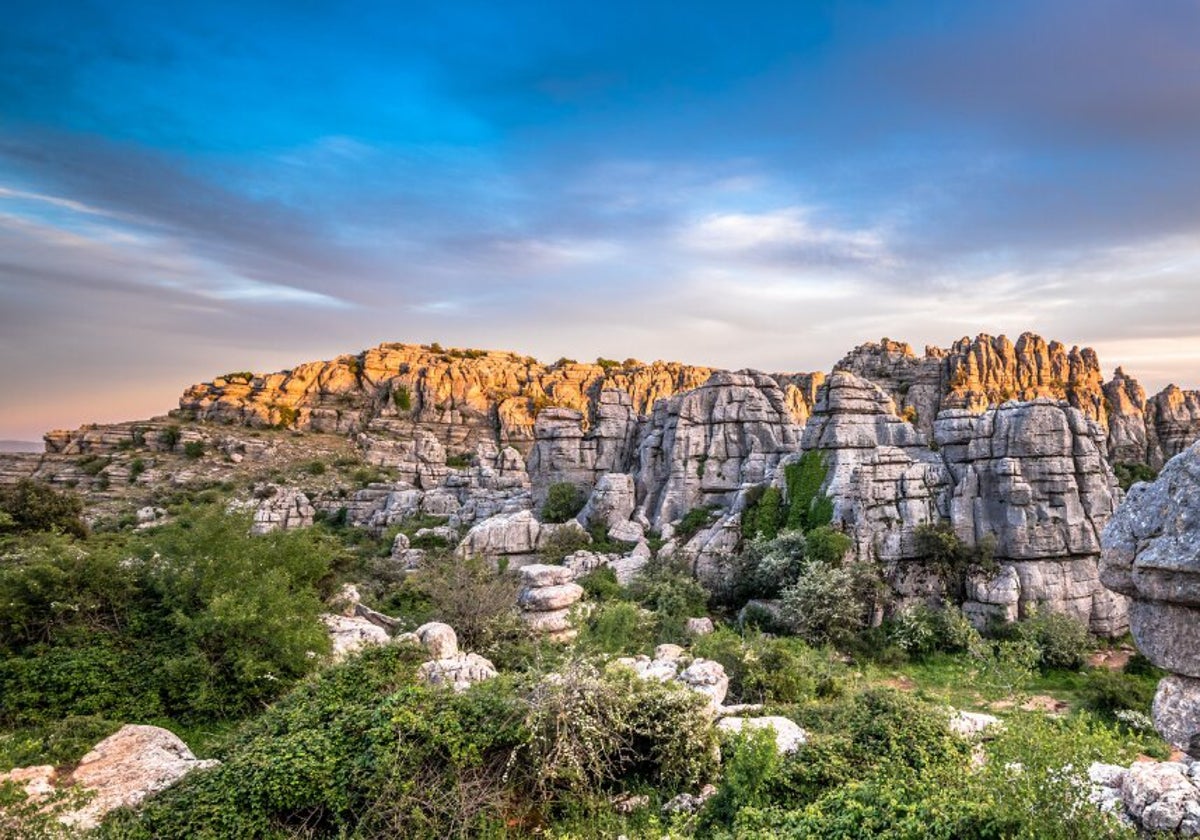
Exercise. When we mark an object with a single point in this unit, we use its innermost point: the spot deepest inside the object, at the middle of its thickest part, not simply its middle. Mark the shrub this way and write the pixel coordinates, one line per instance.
(607, 731)
(829, 603)
(402, 398)
(765, 669)
(136, 467)
(607, 364)
(1109, 692)
(765, 515)
(563, 543)
(950, 558)
(617, 628)
(36, 506)
(694, 521)
(286, 415)
(459, 461)
(93, 465)
(601, 585)
(673, 595)
(563, 502)
(1061, 640)
(193, 449)
(470, 596)
(807, 506)
(169, 437)
(920, 630)
(1130, 473)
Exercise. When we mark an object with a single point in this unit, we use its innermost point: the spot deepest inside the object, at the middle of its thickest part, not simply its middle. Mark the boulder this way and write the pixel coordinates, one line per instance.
(127, 767)
(788, 735)
(612, 502)
(285, 508)
(349, 634)
(458, 672)
(547, 598)
(439, 639)
(541, 574)
(708, 678)
(699, 626)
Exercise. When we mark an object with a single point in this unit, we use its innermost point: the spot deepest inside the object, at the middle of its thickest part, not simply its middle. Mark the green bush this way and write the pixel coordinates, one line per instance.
(765, 515)
(601, 585)
(402, 398)
(315, 467)
(1130, 473)
(459, 461)
(1061, 640)
(617, 628)
(950, 558)
(829, 603)
(563, 543)
(471, 596)
(563, 502)
(169, 437)
(920, 630)
(693, 522)
(1108, 692)
(807, 506)
(136, 467)
(672, 595)
(193, 449)
(195, 619)
(36, 506)
(773, 670)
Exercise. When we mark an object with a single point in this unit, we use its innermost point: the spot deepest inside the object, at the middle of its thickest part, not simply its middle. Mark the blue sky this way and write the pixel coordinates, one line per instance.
(185, 190)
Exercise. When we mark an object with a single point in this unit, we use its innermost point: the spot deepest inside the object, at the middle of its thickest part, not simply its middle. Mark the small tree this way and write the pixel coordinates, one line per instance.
(36, 506)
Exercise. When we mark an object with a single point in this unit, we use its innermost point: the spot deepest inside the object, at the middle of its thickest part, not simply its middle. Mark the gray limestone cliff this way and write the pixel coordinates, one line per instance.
(1152, 555)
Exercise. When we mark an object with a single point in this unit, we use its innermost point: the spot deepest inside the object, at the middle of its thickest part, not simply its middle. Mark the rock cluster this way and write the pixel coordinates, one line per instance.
(449, 666)
(517, 536)
(1152, 554)
(547, 595)
(670, 662)
(281, 509)
(1030, 477)
(1153, 796)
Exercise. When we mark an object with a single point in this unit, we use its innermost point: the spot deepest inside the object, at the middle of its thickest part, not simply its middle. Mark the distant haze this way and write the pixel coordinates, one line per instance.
(187, 189)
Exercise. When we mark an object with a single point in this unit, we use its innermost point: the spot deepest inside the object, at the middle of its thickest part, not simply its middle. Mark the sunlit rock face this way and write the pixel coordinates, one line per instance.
(1152, 555)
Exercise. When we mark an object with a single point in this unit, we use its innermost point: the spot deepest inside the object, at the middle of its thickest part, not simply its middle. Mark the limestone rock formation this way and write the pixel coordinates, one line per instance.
(127, 767)
(458, 672)
(547, 595)
(511, 535)
(704, 445)
(981, 373)
(460, 396)
(789, 737)
(612, 503)
(350, 634)
(1152, 554)
(1033, 478)
(884, 477)
(281, 509)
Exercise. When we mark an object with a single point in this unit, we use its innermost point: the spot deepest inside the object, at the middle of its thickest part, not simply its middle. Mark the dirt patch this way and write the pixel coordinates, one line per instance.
(1035, 703)
(1113, 660)
(901, 683)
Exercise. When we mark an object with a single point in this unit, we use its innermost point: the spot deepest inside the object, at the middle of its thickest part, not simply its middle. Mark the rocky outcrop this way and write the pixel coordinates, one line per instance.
(462, 397)
(281, 509)
(350, 634)
(1032, 478)
(515, 535)
(126, 768)
(704, 445)
(1152, 555)
(450, 667)
(1150, 795)
(547, 595)
(1149, 431)
(980, 373)
(885, 480)
(671, 663)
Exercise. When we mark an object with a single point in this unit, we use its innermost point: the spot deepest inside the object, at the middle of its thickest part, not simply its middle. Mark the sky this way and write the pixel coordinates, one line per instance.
(190, 188)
